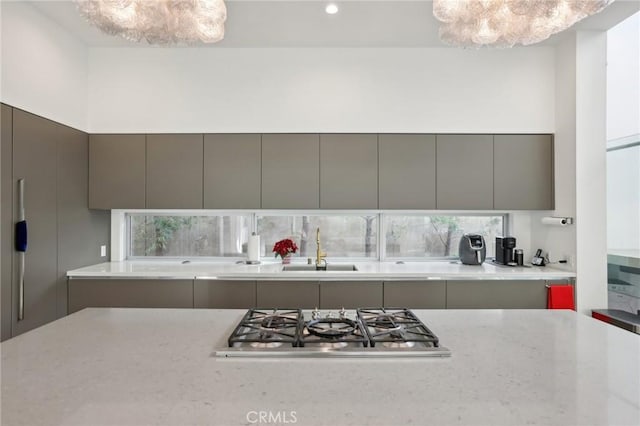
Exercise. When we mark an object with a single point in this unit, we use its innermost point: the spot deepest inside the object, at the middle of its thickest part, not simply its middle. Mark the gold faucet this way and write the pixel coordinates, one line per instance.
(320, 256)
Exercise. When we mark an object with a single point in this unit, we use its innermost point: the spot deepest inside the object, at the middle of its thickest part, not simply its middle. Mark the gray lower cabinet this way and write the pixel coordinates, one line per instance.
(350, 294)
(117, 171)
(407, 171)
(497, 294)
(288, 294)
(464, 172)
(523, 172)
(232, 173)
(290, 171)
(349, 171)
(174, 172)
(129, 293)
(415, 294)
(221, 294)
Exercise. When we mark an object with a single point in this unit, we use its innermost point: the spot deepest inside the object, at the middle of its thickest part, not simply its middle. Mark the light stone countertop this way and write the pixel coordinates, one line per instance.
(155, 367)
(271, 270)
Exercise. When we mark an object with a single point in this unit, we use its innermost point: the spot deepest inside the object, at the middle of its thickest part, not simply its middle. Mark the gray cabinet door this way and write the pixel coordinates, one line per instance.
(174, 171)
(288, 294)
(34, 160)
(222, 294)
(290, 171)
(497, 294)
(523, 177)
(81, 231)
(415, 294)
(407, 171)
(350, 294)
(117, 172)
(232, 171)
(6, 215)
(464, 172)
(348, 171)
(129, 293)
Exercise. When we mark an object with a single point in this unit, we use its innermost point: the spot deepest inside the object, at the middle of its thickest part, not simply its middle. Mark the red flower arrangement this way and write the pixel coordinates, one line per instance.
(284, 248)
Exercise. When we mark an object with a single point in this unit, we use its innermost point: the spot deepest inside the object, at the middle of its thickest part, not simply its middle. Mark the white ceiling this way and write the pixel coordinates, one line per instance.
(303, 23)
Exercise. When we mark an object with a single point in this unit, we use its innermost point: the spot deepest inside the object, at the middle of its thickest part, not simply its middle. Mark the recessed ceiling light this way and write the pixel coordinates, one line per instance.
(331, 9)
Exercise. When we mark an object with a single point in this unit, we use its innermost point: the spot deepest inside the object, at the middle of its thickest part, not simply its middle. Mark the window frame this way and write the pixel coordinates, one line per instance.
(253, 215)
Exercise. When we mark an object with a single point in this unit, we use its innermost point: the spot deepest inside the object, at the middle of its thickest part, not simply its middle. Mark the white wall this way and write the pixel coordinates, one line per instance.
(321, 90)
(591, 169)
(44, 68)
(623, 126)
(560, 242)
(623, 79)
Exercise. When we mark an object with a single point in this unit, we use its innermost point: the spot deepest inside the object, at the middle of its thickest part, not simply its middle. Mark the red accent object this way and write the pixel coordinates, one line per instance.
(285, 247)
(560, 297)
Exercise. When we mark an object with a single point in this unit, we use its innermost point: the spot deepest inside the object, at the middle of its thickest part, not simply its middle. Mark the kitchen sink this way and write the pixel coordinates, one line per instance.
(329, 267)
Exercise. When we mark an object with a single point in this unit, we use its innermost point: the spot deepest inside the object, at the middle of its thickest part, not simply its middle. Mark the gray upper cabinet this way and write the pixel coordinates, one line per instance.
(523, 174)
(349, 171)
(290, 171)
(174, 171)
(232, 171)
(407, 171)
(117, 172)
(465, 172)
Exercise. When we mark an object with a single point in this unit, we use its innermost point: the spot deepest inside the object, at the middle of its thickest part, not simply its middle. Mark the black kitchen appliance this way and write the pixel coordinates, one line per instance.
(504, 250)
(472, 249)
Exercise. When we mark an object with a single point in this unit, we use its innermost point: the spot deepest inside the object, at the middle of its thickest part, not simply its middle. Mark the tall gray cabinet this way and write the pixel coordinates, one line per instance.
(62, 233)
(6, 204)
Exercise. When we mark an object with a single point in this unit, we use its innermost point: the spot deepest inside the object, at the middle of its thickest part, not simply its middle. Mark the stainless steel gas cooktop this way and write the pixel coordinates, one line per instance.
(364, 332)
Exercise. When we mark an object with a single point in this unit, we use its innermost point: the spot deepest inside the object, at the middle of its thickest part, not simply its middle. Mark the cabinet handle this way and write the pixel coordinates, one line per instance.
(21, 247)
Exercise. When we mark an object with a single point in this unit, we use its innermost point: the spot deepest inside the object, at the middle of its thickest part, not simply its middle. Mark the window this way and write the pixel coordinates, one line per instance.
(425, 236)
(158, 235)
(345, 235)
(354, 235)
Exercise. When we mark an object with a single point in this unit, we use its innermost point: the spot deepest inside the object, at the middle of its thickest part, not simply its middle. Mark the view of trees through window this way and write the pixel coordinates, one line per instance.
(349, 235)
(437, 236)
(341, 236)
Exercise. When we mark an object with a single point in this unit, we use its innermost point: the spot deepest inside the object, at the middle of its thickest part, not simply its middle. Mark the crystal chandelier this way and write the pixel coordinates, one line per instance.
(158, 21)
(505, 23)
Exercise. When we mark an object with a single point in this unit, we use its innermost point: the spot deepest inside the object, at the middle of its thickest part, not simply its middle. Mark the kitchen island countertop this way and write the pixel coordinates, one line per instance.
(155, 366)
(271, 270)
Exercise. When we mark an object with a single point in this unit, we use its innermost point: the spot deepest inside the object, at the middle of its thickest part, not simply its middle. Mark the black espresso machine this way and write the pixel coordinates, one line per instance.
(505, 251)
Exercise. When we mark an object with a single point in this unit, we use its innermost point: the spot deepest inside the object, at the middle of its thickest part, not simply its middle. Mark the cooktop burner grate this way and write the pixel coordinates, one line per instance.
(268, 327)
(395, 327)
(334, 332)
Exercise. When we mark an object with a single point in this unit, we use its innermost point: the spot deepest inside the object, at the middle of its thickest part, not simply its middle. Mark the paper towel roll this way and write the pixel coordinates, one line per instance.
(558, 221)
(253, 248)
